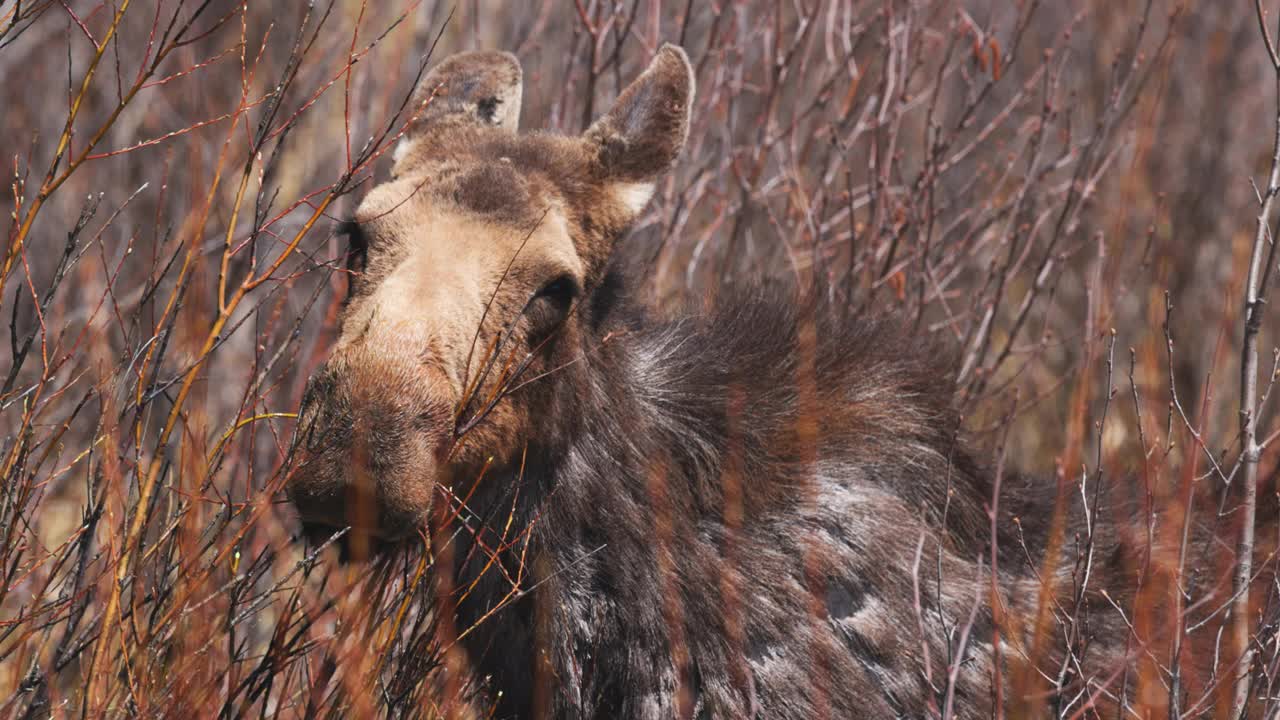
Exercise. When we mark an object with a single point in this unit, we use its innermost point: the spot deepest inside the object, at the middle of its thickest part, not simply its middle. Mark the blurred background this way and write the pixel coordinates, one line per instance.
(1063, 192)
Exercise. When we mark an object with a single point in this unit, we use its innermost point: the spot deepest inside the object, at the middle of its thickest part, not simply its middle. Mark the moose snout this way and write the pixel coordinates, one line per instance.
(369, 441)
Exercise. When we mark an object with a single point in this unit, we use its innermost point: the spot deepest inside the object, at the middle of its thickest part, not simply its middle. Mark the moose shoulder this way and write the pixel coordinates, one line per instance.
(754, 510)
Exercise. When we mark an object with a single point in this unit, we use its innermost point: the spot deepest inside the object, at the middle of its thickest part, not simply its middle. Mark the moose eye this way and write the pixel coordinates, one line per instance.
(549, 307)
(560, 291)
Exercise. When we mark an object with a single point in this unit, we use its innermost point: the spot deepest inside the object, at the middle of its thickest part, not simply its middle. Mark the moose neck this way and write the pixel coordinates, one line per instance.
(577, 498)
(590, 436)
(662, 438)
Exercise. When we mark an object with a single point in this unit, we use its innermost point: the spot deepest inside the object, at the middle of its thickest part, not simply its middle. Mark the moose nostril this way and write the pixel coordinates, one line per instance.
(315, 395)
(319, 384)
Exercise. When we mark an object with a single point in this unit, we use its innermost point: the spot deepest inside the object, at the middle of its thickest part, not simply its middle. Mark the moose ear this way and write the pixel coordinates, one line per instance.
(471, 88)
(645, 130)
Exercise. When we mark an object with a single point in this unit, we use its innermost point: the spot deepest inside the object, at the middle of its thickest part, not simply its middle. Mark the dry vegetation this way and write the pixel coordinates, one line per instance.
(1061, 189)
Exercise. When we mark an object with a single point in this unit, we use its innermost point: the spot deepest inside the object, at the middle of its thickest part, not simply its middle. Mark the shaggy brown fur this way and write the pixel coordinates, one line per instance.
(757, 510)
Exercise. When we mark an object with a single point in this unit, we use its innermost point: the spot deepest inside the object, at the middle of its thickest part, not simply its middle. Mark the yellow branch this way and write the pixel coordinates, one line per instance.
(234, 428)
(48, 186)
(148, 485)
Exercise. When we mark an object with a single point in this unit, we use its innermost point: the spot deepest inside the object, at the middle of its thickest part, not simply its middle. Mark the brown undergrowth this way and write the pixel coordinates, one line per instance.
(1060, 191)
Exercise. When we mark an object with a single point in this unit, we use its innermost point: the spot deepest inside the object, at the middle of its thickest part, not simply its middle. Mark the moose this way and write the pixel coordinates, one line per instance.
(759, 508)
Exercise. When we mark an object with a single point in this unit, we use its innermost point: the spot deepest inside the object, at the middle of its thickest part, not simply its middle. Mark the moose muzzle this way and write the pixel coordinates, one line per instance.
(370, 440)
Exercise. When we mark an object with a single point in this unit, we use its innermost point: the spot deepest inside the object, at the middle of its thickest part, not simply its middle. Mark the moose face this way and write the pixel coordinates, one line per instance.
(469, 271)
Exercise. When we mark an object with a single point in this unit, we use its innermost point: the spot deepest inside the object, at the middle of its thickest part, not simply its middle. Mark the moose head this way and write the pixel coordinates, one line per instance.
(473, 272)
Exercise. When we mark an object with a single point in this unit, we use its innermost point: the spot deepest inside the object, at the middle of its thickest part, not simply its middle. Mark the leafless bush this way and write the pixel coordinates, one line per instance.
(1059, 189)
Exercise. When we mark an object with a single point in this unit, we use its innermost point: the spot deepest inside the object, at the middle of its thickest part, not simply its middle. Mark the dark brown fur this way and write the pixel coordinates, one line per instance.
(726, 513)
